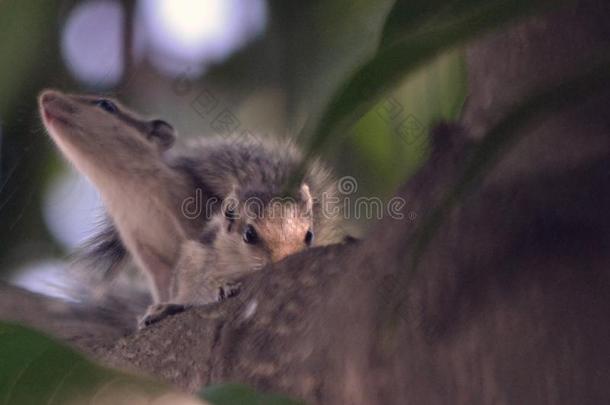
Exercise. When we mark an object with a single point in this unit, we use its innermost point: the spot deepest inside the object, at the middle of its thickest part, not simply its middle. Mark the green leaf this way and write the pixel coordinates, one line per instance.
(408, 16)
(408, 47)
(25, 28)
(329, 39)
(236, 394)
(392, 137)
(35, 369)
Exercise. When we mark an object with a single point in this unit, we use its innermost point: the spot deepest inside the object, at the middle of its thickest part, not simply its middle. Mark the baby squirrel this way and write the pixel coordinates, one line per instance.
(194, 218)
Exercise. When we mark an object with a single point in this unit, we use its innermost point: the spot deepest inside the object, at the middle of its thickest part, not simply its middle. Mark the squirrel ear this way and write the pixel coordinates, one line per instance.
(229, 205)
(162, 134)
(306, 197)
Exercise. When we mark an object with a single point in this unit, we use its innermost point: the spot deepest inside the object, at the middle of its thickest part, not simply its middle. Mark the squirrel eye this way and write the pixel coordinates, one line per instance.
(250, 235)
(308, 237)
(106, 105)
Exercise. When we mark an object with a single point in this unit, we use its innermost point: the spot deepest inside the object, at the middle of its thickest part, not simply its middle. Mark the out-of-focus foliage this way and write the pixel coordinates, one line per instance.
(329, 39)
(28, 49)
(377, 151)
(410, 41)
(236, 394)
(391, 140)
(38, 370)
(24, 29)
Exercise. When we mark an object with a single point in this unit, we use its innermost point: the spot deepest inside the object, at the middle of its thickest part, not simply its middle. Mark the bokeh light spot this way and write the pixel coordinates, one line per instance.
(92, 42)
(47, 277)
(186, 36)
(72, 208)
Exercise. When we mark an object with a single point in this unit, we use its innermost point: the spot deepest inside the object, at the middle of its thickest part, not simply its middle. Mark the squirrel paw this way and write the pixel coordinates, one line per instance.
(157, 312)
(228, 290)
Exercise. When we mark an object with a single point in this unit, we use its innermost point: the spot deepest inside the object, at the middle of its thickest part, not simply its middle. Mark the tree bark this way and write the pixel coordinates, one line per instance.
(504, 301)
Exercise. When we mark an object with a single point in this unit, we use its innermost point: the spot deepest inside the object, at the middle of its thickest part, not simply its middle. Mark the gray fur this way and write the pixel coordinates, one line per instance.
(167, 208)
(217, 166)
(104, 250)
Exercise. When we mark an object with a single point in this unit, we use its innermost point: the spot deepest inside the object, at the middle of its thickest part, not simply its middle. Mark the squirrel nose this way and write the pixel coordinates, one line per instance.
(279, 254)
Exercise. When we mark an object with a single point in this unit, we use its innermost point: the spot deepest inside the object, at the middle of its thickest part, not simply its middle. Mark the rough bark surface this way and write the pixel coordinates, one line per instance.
(508, 302)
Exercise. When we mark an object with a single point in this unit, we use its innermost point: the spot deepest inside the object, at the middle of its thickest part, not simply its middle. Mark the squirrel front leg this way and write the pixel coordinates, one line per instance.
(195, 281)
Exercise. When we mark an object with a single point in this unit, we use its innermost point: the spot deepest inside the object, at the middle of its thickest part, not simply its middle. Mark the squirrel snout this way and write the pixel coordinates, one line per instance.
(283, 251)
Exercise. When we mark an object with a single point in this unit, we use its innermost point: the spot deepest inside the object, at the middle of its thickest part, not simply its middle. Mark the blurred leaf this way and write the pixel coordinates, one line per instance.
(408, 48)
(427, 15)
(24, 28)
(30, 52)
(35, 369)
(410, 14)
(392, 138)
(236, 394)
(329, 39)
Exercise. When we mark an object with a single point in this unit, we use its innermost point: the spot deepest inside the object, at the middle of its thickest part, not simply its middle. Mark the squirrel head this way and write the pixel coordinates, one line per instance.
(89, 129)
(258, 229)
